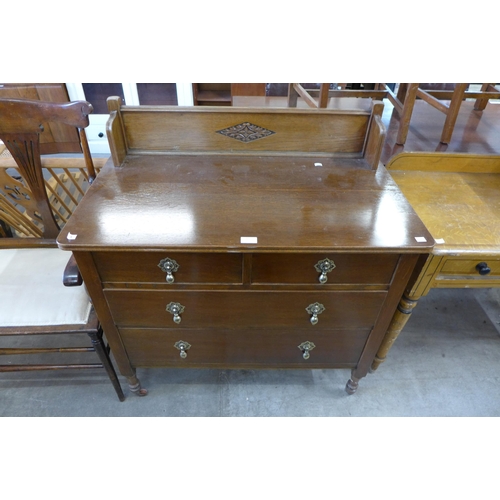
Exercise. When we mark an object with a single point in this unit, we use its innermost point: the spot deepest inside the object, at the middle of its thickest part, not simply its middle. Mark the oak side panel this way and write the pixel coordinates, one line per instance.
(93, 284)
(406, 268)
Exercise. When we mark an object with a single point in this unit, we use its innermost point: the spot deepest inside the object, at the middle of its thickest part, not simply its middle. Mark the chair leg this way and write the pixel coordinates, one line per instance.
(405, 116)
(452, 114)
(100, 348)
(480, 104)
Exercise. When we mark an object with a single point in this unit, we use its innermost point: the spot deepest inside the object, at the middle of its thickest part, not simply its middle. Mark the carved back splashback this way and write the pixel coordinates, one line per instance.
(221, 130)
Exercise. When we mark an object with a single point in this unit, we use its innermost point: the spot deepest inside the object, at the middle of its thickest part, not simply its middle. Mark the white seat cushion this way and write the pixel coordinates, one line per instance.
(32, 292)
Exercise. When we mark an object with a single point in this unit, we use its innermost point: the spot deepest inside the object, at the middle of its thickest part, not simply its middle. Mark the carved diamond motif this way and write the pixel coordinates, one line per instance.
(246, 132)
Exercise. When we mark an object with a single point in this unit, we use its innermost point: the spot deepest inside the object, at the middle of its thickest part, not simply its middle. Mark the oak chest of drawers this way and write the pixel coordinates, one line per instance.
(243, 260)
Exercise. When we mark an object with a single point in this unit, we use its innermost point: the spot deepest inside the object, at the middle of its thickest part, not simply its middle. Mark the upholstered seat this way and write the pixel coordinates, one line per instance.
(32, 290)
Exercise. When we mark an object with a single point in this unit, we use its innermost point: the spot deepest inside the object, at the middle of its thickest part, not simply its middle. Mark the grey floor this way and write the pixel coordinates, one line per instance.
(445, 363)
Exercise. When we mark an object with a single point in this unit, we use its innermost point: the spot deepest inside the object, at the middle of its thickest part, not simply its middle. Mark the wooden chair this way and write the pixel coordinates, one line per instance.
(33, 301)
(315, 98)
(409, 92)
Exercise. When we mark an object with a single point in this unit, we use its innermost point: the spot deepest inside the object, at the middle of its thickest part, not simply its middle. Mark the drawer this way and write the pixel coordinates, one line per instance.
(272, 348)
(467, 267)
(375, 269)
(233, 309)
(143, 267)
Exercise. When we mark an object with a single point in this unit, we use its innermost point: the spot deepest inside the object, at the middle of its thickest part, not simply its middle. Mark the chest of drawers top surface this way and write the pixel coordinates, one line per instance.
(195, 203)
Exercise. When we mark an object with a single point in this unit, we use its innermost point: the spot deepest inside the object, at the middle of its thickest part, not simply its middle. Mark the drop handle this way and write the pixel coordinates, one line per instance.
(176, 310)
(314, 310)
(306, 348)
(483, 269)
(169, 266)
(324, 267)
(183, 346)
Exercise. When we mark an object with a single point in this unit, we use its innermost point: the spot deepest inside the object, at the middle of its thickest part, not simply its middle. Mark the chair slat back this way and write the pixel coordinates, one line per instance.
(21, 124)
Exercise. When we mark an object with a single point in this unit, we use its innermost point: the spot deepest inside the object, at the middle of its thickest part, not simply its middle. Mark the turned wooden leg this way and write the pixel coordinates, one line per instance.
(399, 320)
(352, 384)
(102, 352)
(135, 386)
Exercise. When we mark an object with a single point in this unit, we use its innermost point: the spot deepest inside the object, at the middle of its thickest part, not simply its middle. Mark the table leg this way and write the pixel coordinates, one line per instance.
(399, 320)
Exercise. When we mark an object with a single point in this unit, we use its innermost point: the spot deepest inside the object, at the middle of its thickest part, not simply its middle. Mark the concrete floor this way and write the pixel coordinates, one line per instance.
(445, 363)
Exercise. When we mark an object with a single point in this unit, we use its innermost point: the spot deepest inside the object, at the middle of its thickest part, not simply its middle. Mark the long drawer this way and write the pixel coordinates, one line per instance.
(271, 348)
(144, 267)
(306, 268)
(221, 309)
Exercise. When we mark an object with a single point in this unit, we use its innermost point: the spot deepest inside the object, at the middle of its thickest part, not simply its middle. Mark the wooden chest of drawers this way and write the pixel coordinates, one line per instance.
(264, 319)
(241, 261)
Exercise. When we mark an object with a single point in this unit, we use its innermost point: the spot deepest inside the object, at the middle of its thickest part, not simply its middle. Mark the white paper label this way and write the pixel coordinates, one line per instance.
(248, 239)
(318, 164)
(72, 236)
(420, 239)
(440, 241)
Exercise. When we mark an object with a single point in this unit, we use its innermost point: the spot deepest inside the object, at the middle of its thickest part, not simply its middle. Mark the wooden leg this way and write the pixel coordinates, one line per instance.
(135, 386)
(401, 95)
(102, 352)
(352, 384)
(323, 95)
(399, 320)
(480, 104)
(292, 96)
(452, 114)
(404, 122)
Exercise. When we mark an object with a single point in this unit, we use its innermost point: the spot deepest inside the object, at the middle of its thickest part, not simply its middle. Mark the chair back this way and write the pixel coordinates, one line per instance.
(22, 122)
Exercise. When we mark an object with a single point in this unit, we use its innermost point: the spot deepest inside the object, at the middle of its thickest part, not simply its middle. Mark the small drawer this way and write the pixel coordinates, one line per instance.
(272, 348)
(374, 269)
(472, 267)
(237, 309)
(190, 268)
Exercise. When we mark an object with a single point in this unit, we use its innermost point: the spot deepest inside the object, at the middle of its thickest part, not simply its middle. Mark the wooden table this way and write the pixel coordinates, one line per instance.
(202, 249)
(457, 196)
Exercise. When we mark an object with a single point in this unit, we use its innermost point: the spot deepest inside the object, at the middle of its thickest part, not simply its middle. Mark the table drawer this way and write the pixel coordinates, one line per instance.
(156, 347)
(467, 267)
(143, 267)
(220, 309)
(376, 269)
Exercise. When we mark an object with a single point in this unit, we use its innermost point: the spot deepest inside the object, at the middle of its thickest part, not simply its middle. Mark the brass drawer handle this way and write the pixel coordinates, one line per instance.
(483, 269)
(176, 309)
(324, 267)
(183, 346)
(314, 310)
(306, 348)
(169, 266)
